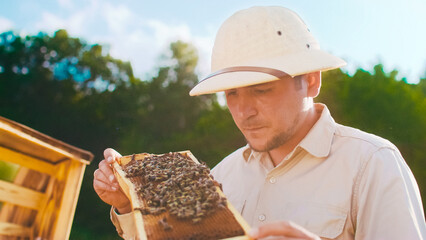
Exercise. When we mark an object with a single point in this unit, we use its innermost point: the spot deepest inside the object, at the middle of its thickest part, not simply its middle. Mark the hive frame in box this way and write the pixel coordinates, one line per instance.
(128, 188)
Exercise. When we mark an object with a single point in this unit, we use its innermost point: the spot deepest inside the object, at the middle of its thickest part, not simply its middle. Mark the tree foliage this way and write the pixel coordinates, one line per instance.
(78, 93)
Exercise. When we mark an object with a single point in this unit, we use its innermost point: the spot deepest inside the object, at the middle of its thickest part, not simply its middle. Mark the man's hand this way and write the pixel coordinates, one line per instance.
(106, 185)
(285, 229)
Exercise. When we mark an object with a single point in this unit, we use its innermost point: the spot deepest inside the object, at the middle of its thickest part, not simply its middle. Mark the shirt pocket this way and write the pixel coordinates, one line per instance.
(325, 220)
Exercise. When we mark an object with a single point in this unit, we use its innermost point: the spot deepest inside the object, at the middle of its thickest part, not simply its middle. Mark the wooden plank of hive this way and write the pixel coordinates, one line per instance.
(24, 139)
(23, 160)
(130, 191)
(11, 229)
(22, 216)
(21, 196)
(41, 159)
(73, 172)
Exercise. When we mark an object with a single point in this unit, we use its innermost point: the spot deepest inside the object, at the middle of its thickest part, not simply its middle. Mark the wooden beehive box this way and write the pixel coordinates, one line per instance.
(40, 200)
(220, 221)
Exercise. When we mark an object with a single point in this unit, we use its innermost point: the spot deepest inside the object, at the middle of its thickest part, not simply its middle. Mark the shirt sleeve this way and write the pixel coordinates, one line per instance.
(124, 224)
(388, 199)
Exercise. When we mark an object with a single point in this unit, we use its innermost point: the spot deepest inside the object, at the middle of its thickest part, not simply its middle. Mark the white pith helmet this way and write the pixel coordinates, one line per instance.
(262, 44)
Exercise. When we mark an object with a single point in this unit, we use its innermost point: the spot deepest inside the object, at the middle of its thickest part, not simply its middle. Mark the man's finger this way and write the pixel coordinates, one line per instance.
(111, 155)
(100, 176)
(107, 171)
(101, 186)
(283, 228)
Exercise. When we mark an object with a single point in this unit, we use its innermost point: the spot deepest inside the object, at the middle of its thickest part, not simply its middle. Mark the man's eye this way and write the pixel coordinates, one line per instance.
(231, 93)
(262, 90)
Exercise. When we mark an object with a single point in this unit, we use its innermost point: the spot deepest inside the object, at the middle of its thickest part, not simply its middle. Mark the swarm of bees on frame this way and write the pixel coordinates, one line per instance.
(175, 183)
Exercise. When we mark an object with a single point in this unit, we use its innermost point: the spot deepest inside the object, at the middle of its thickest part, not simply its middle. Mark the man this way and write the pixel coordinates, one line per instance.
(301, 176)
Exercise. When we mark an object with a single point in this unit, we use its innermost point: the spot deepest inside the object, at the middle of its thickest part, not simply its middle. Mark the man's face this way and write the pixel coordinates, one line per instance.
(269, 114)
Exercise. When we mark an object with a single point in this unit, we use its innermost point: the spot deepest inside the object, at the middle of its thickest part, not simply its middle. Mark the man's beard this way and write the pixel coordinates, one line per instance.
(278, 139)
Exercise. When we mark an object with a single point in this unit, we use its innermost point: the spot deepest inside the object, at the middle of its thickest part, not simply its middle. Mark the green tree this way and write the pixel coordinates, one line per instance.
(165, 107)
(43, 78)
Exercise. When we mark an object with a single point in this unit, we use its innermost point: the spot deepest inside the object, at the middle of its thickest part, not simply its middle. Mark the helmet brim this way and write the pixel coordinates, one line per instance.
(294, 64)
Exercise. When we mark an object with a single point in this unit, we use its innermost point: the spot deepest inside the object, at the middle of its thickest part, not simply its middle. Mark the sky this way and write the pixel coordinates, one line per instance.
(362, 32)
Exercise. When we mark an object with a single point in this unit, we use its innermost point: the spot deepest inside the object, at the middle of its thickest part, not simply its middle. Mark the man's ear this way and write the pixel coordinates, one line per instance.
(314, 83)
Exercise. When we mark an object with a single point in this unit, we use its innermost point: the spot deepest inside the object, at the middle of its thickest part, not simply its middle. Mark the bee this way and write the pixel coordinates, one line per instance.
(164, 224)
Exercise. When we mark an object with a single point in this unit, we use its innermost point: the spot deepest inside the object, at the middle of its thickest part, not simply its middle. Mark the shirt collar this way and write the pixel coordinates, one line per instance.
(318, 140)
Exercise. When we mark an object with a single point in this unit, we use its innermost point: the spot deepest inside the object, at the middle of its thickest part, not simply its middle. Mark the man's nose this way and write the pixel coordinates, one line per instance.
(246, 107)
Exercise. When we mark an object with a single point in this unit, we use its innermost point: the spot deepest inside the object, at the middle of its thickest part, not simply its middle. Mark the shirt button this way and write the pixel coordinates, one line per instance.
(262, 217)
(272, 180)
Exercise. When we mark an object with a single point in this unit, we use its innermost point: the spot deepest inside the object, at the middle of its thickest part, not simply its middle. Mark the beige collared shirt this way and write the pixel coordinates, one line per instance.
(339, 183)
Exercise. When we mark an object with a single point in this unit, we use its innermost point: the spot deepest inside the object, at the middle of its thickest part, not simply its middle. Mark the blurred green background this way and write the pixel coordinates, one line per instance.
(76, 92)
